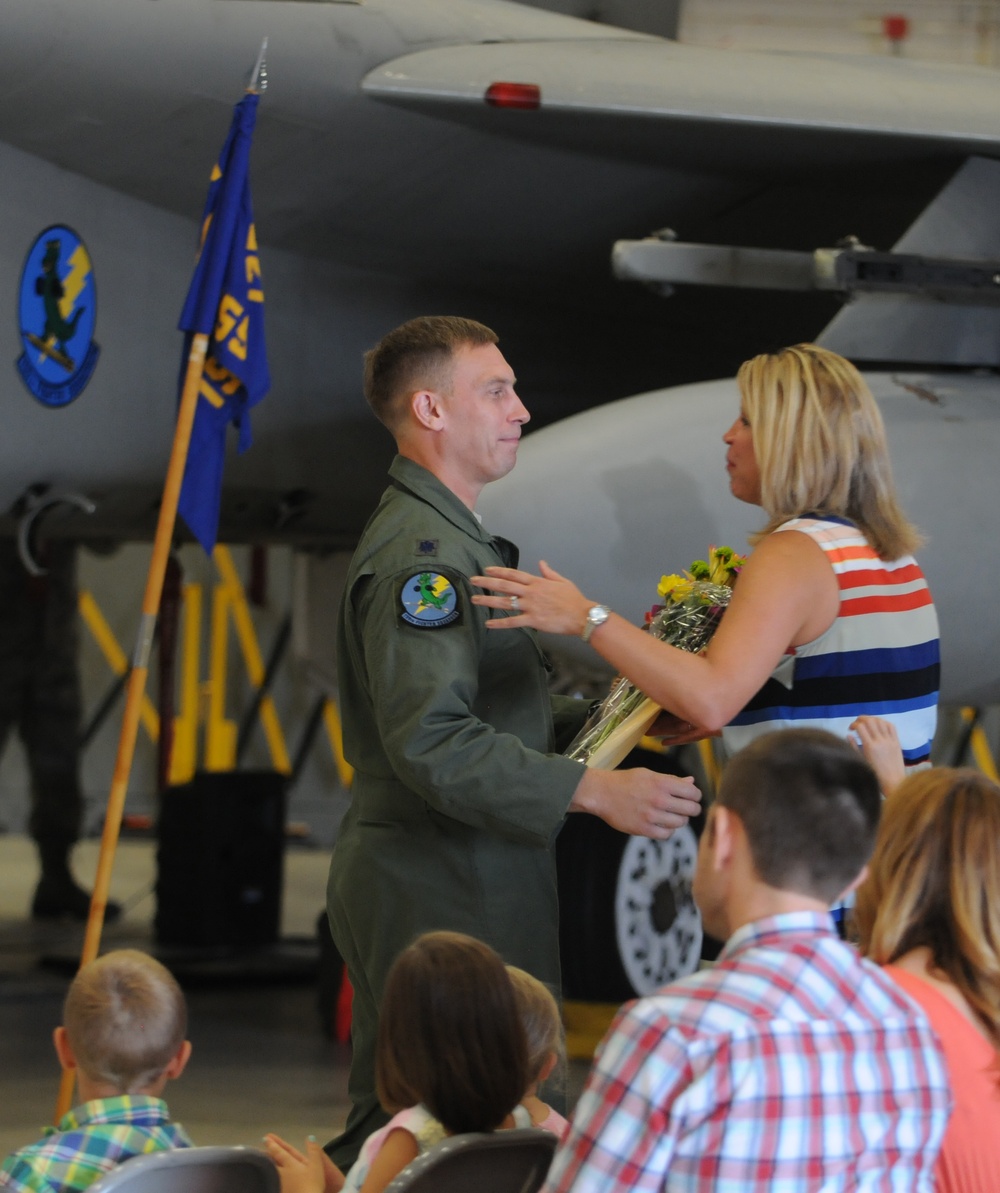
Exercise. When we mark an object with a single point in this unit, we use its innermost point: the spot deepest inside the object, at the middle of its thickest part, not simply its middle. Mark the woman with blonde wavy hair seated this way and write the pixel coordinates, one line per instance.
(929, 912)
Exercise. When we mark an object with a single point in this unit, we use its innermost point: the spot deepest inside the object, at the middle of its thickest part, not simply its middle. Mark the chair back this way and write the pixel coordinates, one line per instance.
(494, 1162)
(193, 1170)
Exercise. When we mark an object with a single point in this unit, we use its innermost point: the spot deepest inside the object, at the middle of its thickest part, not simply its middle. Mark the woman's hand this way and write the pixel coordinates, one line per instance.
(673, 731)
(548, 602)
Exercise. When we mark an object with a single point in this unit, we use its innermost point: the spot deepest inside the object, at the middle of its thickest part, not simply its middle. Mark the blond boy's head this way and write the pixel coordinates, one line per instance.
(542, 1023)
(124, 1024)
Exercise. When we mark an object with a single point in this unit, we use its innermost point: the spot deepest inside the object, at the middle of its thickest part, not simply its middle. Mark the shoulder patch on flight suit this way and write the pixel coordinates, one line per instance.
(429, 601)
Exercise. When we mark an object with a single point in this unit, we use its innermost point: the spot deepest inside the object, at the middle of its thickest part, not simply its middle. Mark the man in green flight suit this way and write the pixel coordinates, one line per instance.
(458, 793)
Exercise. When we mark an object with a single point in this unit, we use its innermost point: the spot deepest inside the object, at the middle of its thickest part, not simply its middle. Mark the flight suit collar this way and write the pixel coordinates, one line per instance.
(410, 475)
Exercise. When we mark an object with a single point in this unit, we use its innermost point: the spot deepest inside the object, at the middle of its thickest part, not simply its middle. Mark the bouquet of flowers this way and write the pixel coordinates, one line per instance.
(692, 607)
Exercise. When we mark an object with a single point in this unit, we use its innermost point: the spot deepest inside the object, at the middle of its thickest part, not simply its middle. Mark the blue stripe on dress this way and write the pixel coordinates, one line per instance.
(819, 712)
(876, 660)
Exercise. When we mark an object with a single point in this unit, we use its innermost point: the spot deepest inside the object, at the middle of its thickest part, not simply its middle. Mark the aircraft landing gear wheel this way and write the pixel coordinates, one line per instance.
(627, 922)
(657, 926)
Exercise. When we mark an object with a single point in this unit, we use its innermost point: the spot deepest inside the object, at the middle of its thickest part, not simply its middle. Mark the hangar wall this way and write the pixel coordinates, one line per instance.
(937, 30)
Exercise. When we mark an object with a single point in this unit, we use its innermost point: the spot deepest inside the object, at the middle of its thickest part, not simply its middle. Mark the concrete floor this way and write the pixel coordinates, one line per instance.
(260, 1061)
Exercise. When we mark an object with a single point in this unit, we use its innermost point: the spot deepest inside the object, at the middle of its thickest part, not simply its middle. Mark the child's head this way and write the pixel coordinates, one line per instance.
(450, 1035)
(124, 1021)
(541, 1021)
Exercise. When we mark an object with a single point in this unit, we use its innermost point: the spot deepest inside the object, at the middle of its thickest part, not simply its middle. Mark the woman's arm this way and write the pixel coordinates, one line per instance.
(786, 595)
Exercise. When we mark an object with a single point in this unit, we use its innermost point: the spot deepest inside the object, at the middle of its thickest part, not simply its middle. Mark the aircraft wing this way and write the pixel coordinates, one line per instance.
(385, 187)
(648, 99)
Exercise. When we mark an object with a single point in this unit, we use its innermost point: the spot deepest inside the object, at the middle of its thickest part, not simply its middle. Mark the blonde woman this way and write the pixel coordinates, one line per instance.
(831, 617)
(929, 912)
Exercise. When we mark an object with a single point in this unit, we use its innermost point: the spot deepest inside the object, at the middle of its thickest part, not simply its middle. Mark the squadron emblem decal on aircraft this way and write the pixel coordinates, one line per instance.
(57, 310)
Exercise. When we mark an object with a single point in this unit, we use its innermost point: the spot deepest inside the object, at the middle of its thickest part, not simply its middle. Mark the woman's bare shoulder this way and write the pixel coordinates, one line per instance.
(789, 570)
(790, 550)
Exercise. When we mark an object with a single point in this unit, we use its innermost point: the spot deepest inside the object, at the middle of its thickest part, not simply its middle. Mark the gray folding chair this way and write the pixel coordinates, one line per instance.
(193, 1170)
(500, 1162)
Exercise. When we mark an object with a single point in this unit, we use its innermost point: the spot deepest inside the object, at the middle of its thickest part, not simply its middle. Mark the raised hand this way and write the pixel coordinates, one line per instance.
(882, 751)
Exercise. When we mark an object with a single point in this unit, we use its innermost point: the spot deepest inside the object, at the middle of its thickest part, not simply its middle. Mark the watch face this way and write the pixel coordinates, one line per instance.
(597, 615)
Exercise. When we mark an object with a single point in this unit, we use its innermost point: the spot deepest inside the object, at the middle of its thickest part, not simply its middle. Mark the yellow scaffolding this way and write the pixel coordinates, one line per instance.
(203, 704)
(980, 745)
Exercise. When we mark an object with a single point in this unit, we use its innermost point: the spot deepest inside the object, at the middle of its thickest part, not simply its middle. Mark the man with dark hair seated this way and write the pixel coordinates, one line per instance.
(792, 1063)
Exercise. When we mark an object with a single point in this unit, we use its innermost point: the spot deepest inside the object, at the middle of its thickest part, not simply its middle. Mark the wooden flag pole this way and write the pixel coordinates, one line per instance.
(140, 668)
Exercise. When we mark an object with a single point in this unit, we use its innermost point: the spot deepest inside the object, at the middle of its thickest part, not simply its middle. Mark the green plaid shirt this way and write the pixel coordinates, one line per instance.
(91, 1140)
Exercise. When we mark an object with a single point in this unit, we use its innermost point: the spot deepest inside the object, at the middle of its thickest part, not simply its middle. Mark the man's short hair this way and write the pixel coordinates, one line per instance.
(810, 806)
(415, 356)
(125, 1018)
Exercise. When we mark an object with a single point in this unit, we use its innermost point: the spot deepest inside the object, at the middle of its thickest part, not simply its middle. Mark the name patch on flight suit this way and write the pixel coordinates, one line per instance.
(429, 601)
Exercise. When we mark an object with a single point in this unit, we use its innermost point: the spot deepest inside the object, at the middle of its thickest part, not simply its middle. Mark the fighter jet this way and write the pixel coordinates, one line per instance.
(415, 156)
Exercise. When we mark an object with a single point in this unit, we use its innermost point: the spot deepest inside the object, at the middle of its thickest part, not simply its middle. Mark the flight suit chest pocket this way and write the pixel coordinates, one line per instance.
(513, 674)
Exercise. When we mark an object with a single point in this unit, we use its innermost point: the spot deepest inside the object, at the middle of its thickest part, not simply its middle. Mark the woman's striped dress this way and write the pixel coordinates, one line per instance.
(879, 657)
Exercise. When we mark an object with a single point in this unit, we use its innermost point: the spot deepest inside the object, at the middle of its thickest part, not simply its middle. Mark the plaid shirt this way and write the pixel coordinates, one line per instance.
(790, 1065)
(91, 1140)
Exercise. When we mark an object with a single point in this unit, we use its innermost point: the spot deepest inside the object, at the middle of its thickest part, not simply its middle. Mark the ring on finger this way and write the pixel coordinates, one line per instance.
(514, 603)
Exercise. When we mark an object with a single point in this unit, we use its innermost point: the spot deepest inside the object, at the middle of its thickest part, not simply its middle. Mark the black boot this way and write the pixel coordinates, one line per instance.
(58, 895)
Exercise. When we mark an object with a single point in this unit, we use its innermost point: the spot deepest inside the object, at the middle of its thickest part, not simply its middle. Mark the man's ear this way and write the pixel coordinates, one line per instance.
(854, 885)
(725, 828)
(178, 1062)
(427, 409)
(64, 1051)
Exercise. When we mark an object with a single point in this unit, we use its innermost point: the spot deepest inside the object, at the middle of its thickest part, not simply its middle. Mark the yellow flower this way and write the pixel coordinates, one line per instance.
(720, 564)
(667, 585)
(724, 565)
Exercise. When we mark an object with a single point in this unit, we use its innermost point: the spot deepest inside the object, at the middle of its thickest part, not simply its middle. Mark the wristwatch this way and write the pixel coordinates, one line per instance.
(596, 615)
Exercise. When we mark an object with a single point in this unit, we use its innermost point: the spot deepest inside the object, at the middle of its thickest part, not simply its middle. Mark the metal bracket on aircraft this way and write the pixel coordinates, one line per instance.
(660, 261)
(33, 504)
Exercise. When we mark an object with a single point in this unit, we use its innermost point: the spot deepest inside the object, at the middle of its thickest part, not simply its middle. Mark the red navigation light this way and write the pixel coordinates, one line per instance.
(526, 96)
(895, 27)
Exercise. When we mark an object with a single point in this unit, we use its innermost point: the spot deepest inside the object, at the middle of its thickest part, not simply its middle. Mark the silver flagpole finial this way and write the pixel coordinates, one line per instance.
(257, 79)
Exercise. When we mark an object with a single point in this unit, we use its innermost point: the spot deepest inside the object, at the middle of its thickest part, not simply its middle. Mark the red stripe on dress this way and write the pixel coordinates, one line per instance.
(886, 603)
(858, 579)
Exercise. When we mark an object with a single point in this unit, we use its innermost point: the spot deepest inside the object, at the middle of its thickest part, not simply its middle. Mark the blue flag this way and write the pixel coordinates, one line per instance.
(225, 302)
